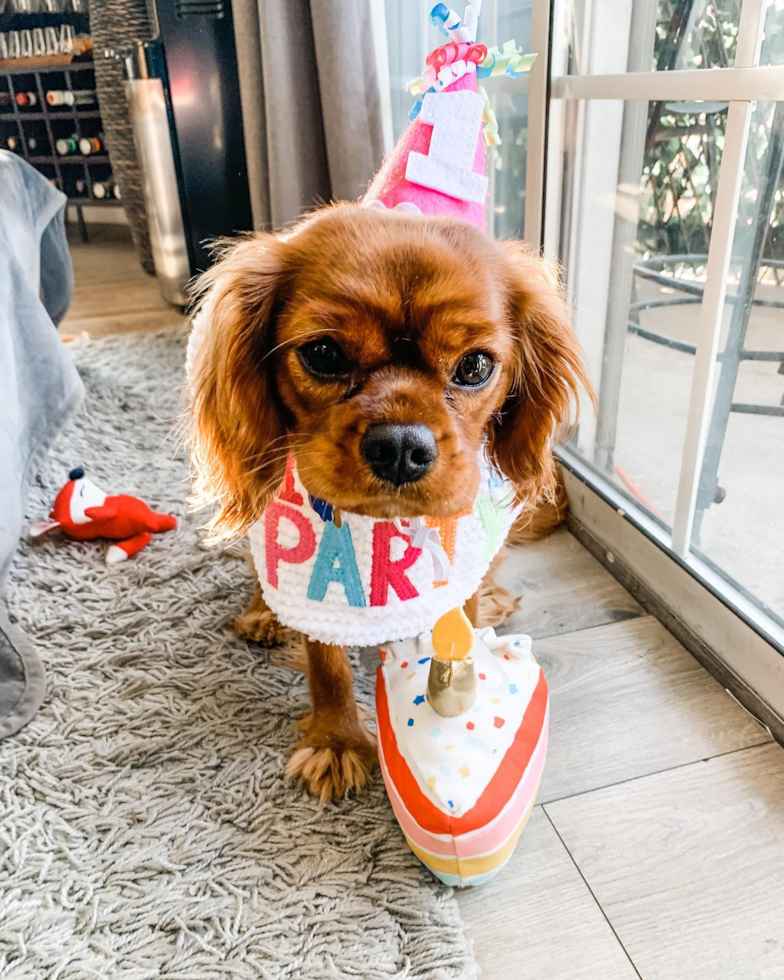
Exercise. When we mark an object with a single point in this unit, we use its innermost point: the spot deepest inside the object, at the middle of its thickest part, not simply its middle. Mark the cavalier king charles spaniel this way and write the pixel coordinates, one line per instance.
(383, 350)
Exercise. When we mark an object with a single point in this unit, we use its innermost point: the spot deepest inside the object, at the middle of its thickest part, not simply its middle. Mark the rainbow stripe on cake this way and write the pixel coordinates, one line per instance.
(463, 788)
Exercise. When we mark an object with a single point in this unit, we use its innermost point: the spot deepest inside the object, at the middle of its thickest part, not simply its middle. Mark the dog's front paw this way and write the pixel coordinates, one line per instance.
(330, 761)
(261, 626)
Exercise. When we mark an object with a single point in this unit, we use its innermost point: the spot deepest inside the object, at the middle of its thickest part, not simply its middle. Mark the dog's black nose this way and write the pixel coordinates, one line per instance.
(399, 453)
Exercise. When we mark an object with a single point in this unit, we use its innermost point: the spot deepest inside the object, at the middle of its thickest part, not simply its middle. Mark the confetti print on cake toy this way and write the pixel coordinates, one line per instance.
(463, 786)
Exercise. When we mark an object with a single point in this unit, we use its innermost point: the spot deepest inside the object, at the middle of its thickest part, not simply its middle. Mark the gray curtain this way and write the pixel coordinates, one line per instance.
(310, 103)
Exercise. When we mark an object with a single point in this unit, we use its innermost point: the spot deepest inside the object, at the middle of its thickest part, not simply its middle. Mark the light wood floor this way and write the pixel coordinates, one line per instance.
(112, 292)
(657, 847)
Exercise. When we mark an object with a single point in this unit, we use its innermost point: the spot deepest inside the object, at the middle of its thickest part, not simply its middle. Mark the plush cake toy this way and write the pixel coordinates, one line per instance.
(462, 738)
(84, 512)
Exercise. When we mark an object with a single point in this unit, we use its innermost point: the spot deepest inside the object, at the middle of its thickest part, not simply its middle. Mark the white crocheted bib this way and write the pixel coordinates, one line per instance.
(367, 580)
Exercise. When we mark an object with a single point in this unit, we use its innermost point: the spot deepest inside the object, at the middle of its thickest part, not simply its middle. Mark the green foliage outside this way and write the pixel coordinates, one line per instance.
(685, 141)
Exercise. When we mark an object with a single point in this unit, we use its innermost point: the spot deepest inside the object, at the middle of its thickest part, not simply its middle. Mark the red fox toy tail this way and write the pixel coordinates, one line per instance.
(126, 549)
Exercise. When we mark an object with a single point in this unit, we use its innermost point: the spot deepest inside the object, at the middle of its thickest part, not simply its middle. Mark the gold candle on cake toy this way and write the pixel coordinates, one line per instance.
(451, 684)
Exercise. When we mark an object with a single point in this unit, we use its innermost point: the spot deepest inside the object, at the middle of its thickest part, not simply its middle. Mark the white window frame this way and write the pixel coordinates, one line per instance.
(748, 644)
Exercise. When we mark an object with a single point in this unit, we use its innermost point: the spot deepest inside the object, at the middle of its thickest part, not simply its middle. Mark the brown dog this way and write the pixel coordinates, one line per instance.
(383, 350)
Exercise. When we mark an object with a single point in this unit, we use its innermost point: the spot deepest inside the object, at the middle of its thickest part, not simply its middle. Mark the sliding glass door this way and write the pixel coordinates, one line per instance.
(665, 205)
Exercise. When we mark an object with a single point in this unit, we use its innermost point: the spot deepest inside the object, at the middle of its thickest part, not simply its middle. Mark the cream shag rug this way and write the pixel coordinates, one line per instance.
(146, 827)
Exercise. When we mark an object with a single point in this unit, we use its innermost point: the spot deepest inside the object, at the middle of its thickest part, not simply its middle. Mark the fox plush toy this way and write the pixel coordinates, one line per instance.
(84, 512)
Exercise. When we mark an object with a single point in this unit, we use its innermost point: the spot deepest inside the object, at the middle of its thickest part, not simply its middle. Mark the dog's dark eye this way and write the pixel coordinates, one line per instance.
(324, 358)
(474, 370)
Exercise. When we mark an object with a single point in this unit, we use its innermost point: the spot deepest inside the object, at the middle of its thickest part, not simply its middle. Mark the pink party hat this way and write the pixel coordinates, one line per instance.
(392, 185)
(438, 164)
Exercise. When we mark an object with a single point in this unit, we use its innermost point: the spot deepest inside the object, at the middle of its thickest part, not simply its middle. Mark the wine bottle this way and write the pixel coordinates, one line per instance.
(90, 144)
(80, 186)
(13, 144)
(66, 147)
(26, 98)
(60, 97)
(81, 96)
(116, 192)
(103, 189)
(5, 98)
(33, 144)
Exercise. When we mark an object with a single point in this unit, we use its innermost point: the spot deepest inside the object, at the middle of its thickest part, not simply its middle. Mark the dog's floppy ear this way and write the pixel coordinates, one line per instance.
(236, 430)
(547, 375)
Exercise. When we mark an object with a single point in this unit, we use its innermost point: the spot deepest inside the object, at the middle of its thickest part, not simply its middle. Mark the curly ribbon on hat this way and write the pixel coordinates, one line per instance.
(510, 61)
(447, 53)
(490, 128)
(427, 538)
(451, 61)
(415, 109)
(450, 23)
(445, 65)
(462, 55)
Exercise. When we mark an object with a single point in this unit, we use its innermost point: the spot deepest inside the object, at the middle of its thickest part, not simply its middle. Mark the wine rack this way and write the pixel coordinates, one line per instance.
(35, 129)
